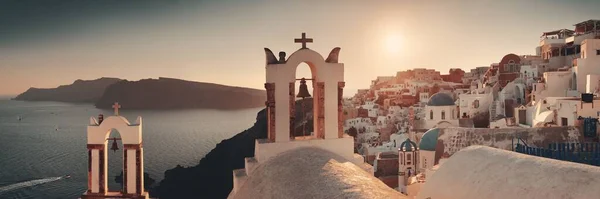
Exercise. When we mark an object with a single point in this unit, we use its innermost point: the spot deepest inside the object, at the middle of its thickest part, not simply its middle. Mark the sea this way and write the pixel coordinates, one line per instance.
(49, 142)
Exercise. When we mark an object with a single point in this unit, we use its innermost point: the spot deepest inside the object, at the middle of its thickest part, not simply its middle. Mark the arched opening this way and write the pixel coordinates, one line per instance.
(114, 161)
(304, 107)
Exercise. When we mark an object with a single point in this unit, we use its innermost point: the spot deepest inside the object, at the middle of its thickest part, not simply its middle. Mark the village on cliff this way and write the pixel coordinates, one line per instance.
(525, 127)
(544, 102)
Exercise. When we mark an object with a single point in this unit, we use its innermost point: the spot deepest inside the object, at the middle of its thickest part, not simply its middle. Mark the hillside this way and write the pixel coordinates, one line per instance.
(88, 91)
(212, 177)
(168, 93)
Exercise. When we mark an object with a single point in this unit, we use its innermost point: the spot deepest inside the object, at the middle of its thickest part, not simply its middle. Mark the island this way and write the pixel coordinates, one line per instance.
(169, 93)
(84, 91)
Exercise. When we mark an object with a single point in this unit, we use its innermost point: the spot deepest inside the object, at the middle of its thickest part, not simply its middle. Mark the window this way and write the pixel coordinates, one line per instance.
(431, 115)
(598, 52)
(443, 115)
(424, 162)
(452, 116)
(408, 159)
(476, 104)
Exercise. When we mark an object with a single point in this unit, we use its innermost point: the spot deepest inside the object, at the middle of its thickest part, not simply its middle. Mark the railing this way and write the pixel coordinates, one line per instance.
(585, 153)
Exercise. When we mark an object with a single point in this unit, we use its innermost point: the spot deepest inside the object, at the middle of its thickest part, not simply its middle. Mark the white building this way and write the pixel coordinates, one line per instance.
(358, 123)
(588, 63)
(408, 156)
(530, 74)
(568, 110)
(555, 84)
(423, 97)
(372, 108)
(441, 111)
(473, 104)
(382, 121)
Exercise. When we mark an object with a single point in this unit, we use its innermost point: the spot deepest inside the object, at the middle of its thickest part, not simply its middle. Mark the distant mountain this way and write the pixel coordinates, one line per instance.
(168, 93)
(80, 91)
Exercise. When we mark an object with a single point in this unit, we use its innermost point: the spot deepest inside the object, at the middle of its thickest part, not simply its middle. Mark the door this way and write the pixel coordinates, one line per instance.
(522, 116)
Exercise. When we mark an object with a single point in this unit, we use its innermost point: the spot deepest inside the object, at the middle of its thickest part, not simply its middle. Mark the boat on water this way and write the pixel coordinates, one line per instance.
(67, 176)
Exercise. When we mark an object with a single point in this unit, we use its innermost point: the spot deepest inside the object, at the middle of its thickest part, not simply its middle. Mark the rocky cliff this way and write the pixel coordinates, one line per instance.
(80, 91)
(168, 93)
(212, 177)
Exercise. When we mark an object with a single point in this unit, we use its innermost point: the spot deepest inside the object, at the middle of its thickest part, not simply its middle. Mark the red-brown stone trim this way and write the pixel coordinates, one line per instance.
(112, 195)
(270, 111)
(101, 173)
(321, 110)
(95, 146)
(139, 175)
(89, 190)
(132, 146)
(340, 109)
(124, 170)
(292, 109)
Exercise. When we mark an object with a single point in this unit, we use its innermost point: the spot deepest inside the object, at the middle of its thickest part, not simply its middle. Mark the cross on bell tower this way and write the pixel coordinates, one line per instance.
(116, 106)
(303, 40)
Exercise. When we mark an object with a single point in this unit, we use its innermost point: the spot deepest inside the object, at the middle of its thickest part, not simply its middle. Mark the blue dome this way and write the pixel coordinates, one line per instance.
(408, 145)
(429, 139)
(440, 99)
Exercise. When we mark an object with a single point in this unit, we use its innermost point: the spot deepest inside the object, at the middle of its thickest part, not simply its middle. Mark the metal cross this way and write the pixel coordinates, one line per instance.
(116, 106)
(303, 40)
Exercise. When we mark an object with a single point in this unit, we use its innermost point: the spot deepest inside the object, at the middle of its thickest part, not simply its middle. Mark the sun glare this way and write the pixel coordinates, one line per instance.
(393, 43)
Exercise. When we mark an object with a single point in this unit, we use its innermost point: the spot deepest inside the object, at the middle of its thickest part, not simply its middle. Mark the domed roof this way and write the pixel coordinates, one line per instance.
(440, 99)
(310, 172)
(429, 140)
(408, 145)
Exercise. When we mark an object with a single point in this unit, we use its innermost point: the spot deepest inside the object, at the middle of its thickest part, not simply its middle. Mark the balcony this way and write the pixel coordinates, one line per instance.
(551, 40)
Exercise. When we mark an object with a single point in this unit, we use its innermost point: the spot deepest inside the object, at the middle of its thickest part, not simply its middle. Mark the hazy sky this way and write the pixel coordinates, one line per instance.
(58, 41)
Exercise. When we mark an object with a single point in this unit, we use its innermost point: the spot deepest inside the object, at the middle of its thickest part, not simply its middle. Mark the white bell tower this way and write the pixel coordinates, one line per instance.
(133, 157)
(408, 154)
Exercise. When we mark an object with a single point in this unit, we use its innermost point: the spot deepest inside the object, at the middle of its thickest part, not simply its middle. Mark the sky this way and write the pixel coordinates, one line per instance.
(45, 44)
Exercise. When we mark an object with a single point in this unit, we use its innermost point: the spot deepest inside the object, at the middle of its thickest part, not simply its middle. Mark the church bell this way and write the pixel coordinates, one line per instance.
(303, 90)
(114, 146)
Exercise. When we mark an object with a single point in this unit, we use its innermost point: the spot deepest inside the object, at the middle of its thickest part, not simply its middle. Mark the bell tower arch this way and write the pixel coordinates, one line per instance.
(328, 82)
(98, 132)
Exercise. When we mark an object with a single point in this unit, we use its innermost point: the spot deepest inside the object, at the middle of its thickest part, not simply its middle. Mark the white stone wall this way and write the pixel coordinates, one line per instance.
(588, 64)
(571, 109)
(593, 84)
(466, 104)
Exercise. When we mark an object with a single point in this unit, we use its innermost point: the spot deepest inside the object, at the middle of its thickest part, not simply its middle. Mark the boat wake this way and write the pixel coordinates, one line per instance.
(30, 183)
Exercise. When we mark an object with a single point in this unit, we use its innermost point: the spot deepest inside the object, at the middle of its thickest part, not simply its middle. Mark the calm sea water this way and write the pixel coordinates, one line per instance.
(50, 142)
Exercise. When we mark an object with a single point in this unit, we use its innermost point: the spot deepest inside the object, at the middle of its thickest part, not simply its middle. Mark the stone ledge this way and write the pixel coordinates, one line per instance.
(250, 164)
(239, 178)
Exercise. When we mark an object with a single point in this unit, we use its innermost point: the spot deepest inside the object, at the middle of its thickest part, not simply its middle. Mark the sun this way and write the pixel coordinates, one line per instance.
(393, 43)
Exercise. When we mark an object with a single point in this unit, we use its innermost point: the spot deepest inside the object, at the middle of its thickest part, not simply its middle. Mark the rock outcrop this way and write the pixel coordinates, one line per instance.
(213, 177)
(86, 91)
(168, 93)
